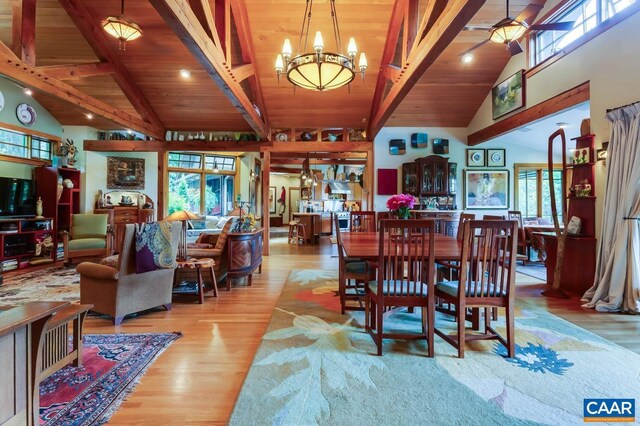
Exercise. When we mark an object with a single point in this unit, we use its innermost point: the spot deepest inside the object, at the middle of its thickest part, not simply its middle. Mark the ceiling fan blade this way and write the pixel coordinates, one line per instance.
(528, 14)
(555, 26)
(515, 48)
(475, 47)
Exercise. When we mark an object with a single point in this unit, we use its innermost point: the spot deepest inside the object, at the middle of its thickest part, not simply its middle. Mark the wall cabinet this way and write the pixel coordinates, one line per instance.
(410, 179)
(431, 176)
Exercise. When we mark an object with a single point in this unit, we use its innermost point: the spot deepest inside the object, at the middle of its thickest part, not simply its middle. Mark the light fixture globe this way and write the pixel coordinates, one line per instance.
(508, 31)
(323, 71)
(121, 28)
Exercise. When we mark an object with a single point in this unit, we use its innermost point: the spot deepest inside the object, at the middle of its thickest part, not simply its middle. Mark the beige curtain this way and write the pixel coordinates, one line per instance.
(617, 281)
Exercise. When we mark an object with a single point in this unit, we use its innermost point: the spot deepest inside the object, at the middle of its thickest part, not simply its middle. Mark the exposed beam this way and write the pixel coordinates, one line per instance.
(452, 20)
(391, 72)
(293, 161)
(103, 47)
(314, 147)
(180, 18)
(23, 32)
(431, 15)
(204, 13)
(410, 30)
(242, 72)
(161, 146)
(558, 103)
(37, 80)
(223, 27)
(330, 155)
(72, 72)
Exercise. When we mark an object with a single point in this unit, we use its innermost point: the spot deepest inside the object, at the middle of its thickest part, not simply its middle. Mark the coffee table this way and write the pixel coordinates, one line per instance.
(198, 265)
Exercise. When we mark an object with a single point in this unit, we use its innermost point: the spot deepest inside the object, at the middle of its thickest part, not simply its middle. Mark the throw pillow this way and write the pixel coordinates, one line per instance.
(153, 247)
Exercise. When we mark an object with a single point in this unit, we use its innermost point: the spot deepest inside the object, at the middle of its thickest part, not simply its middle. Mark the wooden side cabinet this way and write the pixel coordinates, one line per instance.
(120, 216)
(244, 254)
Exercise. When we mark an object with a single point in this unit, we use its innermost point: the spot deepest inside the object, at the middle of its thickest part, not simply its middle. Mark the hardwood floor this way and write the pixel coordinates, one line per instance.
(197, 379)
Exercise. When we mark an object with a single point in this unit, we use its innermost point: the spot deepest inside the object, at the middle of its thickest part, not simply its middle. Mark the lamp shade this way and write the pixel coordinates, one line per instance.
(508, 32)
(121, 28)
(182, 215)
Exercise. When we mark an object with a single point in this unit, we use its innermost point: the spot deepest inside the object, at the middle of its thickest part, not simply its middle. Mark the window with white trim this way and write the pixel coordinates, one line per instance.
(587, 15)
(20, 145)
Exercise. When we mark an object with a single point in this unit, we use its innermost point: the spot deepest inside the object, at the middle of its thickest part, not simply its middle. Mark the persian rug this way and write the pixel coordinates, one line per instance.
(112, 366)
(55, 284)
(315, 366)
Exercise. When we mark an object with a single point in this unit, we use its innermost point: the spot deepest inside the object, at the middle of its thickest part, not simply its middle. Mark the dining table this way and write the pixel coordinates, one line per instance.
(366, 245)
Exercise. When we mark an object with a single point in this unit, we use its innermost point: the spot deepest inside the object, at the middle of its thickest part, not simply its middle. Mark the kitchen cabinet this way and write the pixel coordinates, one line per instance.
(327, 223)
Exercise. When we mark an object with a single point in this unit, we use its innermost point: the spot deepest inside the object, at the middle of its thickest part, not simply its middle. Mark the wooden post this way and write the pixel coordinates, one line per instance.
(162, 185)
(266, 166)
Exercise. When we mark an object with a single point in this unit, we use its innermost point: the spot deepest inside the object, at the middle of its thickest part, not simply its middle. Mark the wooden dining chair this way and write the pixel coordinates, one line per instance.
(444, 268)
(487, 280)
(381, 216)
(353, 274)
(492, 217)
(524, 244)
(405, 278)
(362, 221)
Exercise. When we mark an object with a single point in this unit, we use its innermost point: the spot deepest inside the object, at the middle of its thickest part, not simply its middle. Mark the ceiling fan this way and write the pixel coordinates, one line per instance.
(509, 30)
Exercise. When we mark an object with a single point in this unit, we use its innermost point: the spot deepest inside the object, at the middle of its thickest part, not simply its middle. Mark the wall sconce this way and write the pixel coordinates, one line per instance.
(601, 154)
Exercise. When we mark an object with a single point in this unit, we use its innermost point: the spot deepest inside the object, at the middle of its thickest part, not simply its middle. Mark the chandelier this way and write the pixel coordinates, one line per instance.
(507, 30)
(319, 70)
(121, 28)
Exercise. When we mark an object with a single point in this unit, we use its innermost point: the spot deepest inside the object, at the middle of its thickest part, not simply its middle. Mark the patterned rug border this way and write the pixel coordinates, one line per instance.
(126, 388)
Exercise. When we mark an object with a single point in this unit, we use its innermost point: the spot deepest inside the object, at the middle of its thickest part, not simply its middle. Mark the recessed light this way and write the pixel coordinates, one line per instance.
(28, 91)
(185, 74)
(467, 58)
(562, 124)
(89, 116)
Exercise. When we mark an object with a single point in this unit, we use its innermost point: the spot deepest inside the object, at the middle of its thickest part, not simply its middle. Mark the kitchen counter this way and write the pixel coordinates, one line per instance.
(307, 214)
(312, 225)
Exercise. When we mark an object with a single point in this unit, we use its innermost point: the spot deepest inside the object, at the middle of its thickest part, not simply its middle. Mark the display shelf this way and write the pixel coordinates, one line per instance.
(571, 166)
(23, 242)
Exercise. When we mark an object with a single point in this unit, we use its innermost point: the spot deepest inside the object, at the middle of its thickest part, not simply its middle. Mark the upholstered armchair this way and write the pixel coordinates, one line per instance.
(89, 235)
(116, 290)
(212, 246)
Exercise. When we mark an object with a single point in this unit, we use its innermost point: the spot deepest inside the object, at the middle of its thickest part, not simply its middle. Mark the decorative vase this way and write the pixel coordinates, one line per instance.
(59, 192)
(39, 208)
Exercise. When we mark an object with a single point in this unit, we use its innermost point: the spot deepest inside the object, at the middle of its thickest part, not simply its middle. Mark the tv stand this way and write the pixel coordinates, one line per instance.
(26, 242)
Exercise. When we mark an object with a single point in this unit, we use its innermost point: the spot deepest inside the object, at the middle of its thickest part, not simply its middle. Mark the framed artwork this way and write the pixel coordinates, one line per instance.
(441, 146)
(419, 140)
(387, 181)
(496, 157)
(486, 189)
(272, 199)
(475, 157)
(579, 156)
(397, 147)
(508, 95)
(356, 170)
(125, 173)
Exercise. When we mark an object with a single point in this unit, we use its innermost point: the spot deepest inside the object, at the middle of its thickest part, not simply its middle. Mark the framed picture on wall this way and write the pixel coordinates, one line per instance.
(272, 199)
(475, 157)
(125, 173)
(496, 157)
(508, 95)
(486, 189)
(397, 147)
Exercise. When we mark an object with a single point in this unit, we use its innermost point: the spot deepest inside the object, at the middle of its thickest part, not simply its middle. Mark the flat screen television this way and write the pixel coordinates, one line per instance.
(17, 197)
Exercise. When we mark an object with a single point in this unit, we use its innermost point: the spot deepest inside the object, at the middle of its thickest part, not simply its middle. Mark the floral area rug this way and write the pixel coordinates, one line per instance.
(112, 366)
(55, 284)
(315, 366)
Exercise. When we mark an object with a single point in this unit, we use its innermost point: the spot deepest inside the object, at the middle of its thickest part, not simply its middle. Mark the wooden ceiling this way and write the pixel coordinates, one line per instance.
(448, 95)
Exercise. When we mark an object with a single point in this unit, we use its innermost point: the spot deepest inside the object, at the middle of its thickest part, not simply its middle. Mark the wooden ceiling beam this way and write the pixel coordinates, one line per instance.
(410, 30)
(204, 13)
(103, 47)
(163, 146)
(30, 76)
(181, 19)
(296, 149)
(241, 20)
(431, 15)
(223, 26)
(77, 71)
(391, 72)
(242, 72)
(456, 15)
(326, 155)
(23, 32)
(319, 161)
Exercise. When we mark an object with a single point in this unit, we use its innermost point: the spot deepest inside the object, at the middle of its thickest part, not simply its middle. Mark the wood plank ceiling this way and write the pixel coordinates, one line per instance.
(448, 95)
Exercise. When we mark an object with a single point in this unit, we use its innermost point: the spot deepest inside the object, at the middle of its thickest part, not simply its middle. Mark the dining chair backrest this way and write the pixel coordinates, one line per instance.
(363, 221)
(336, 223)
(517, 216)
(406, 257)
(492, 217)
(464, 217)
(489, 247)
(380, 216)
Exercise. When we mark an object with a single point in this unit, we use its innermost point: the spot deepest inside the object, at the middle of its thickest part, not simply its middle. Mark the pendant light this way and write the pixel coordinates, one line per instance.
(121, 28)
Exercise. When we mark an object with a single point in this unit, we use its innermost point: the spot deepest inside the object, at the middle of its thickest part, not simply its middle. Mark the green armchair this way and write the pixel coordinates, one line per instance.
(89, 235)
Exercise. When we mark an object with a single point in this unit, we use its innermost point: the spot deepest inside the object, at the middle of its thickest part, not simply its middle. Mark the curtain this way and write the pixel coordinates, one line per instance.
(617, 280)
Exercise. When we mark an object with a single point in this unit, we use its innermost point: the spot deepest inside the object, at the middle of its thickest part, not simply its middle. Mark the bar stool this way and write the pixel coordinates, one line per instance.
(297, 232)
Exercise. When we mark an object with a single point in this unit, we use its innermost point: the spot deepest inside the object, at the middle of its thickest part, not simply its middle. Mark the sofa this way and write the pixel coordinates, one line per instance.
(211, 245)
(114, 288)
(208, 224)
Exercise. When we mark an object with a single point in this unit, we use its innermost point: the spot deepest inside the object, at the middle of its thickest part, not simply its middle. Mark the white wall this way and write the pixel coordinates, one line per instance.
(457, 154)
(610, 62)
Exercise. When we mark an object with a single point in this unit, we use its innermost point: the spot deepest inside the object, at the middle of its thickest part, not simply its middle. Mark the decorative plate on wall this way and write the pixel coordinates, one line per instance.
(26, 114)
(475, 157)
(496, 157)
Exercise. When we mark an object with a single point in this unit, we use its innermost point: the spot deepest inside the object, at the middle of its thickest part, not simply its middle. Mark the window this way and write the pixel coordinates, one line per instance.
(587, 15)
(533, 196)
(192, 178)
(15, 144)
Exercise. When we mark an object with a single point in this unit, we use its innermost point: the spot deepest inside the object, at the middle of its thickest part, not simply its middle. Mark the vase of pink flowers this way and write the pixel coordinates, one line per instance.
(400, 205)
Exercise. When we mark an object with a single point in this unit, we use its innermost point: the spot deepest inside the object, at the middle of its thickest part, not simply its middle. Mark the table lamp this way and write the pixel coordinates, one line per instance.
(183, 216)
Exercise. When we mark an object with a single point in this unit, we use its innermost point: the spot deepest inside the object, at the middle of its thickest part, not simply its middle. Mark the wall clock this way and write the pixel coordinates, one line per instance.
(26, 114)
